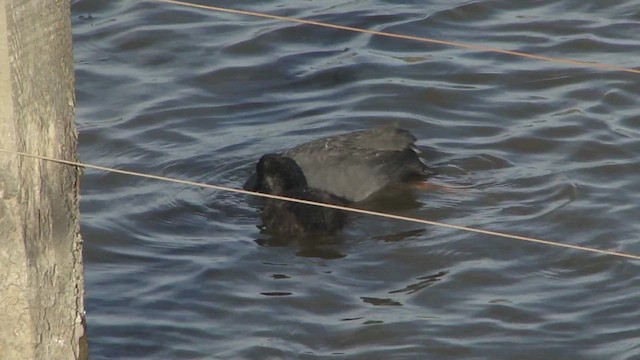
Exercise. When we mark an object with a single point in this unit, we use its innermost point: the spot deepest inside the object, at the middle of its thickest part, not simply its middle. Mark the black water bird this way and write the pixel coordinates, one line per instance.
(356, 165)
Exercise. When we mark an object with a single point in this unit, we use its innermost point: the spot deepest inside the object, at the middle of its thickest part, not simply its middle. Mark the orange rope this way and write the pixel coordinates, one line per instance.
(361, 211)
(581, 63)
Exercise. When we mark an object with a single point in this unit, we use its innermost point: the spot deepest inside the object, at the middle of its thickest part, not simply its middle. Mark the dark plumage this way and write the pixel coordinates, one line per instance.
(355, 165)
(280, 175)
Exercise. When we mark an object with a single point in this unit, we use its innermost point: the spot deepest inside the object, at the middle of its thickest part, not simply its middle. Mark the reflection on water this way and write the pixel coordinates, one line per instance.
(423, 283)
(324, 247)
(528, 147)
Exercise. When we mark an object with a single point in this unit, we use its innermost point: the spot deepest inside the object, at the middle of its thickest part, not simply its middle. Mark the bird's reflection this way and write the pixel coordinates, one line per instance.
(323, 247)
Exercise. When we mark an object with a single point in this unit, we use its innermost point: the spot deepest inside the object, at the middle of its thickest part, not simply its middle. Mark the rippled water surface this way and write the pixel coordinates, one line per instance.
(541, 149)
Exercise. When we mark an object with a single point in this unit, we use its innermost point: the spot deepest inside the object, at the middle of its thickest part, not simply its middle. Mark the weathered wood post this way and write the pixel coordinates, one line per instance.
(41, 279)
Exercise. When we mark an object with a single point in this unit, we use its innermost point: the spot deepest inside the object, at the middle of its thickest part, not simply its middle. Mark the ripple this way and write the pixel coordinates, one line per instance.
(532, 148)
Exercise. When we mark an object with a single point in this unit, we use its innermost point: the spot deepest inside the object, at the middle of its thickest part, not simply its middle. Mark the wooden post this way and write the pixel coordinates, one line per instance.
(41, 279)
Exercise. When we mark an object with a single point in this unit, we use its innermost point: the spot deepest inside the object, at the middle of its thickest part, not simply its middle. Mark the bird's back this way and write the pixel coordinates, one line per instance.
(357, 164)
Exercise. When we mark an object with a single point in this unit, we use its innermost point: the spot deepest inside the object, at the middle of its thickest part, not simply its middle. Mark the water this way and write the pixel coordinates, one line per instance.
(548, 150)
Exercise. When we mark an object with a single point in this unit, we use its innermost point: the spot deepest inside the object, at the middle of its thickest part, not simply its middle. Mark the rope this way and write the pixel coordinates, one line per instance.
(594, 65)
(337, 207)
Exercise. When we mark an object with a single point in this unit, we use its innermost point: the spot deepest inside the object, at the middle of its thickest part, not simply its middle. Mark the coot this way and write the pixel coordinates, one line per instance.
(355, 165)
(280, 175)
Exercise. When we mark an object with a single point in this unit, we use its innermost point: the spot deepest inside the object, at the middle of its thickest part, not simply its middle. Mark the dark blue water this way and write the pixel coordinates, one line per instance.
(545, 150)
